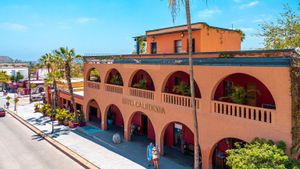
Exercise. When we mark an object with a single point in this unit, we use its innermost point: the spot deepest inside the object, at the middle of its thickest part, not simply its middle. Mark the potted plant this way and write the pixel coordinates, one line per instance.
(182, 89)
(67, 119)
(72, 122)
(36, 107)
(142, 84)
(239, 95)
(61, 115)
(116, 80)
(81, 119)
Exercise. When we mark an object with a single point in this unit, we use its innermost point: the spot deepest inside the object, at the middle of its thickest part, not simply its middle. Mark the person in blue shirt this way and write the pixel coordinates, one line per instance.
(149, 153)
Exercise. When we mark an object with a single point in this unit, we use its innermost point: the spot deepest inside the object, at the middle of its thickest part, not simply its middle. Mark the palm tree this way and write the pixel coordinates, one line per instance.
(68, 57)
(174, 5)
(46, 61)
(52, 62)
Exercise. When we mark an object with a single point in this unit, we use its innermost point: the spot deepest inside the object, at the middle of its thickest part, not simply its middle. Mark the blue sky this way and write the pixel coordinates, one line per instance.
(30, 28)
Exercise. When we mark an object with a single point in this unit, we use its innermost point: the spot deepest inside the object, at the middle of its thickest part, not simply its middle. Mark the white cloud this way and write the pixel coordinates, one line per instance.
(248, 5)
(247, 29)
(207, 13)
(13, 27)
(85, 20)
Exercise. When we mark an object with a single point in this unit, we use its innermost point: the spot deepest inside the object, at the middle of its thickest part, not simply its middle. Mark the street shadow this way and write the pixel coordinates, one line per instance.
(37, 137)
(134, 150)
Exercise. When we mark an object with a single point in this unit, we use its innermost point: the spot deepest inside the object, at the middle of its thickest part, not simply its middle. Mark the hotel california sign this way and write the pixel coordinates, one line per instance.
(145, 106)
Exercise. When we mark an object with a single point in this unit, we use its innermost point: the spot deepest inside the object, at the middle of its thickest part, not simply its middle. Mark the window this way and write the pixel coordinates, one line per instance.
(153, 48)
(193, 45)
(178, 46)
(228, 87)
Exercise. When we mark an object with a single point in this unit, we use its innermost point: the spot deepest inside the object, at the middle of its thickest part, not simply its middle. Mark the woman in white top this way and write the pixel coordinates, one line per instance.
(155, 157)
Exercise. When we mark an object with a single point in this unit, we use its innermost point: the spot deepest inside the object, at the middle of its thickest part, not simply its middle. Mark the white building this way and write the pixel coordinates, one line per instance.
(12, 69)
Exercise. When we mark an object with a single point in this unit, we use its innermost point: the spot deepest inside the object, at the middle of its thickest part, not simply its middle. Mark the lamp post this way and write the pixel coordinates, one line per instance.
(16, 100)
(53, 109)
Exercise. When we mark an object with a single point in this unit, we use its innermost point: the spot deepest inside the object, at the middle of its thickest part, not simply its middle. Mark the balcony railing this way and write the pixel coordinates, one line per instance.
(147, 94)
(93, 85)
(113, 88)
(243, 111)
(179, 100)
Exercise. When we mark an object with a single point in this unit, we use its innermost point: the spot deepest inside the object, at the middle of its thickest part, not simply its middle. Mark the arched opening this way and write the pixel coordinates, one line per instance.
(142, 80)
(93, 75)
(114, 77)
(219, 153)
(94, 113)
(178, 142)
(244, 89)
(179, 83)
(141, 128)
(114, 119)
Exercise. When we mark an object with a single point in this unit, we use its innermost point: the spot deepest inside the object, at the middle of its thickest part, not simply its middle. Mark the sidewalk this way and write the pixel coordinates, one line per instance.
(94, 144)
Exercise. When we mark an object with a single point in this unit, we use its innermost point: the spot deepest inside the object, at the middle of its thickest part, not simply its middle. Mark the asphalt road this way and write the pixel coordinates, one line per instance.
(20, 148)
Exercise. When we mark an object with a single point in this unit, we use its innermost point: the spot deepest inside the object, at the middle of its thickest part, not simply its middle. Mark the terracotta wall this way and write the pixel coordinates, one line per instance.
(207, 39)
(213, 127)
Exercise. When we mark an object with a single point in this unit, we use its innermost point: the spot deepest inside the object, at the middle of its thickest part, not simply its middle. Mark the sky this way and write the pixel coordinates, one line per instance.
(31, 28)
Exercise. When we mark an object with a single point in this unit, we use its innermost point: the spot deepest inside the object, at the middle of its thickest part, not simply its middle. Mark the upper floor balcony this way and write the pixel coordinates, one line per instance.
(233, 92)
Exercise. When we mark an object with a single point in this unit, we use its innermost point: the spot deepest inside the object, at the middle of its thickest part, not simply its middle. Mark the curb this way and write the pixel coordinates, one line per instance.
(73, 155)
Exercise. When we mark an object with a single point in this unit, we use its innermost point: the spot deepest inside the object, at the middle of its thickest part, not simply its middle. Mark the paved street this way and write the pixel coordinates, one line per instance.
(21, 148)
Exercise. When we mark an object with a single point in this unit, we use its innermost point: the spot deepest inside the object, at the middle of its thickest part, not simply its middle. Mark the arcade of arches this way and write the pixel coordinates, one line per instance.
(177, 137)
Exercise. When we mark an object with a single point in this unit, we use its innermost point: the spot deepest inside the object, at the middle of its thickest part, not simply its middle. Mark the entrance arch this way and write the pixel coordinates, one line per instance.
(178, 142)
(219, 151)
(140, 127)
(94, 113)
(114, 118)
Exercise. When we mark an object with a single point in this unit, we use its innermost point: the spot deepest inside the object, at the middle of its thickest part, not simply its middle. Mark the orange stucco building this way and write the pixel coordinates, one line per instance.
(206, 38)
(149, 94)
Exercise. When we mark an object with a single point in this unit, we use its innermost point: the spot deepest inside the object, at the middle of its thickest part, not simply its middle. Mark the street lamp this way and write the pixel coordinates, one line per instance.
(16, 100)
(53, 109)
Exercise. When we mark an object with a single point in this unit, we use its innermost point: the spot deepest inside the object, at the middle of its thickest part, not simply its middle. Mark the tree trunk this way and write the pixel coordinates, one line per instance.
(29, 84)
(68, 77)
(196, 134)
(56, 92)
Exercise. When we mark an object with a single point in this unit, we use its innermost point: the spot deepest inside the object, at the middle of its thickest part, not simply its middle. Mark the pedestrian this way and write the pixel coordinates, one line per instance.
(149, 153)
(155, 157)
(7, 105)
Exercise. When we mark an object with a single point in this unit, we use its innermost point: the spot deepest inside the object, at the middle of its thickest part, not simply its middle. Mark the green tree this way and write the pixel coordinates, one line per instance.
(46, 61)
(53, 63)
(260, 153)
(17, 77)
(68, 57)
(4, 78)
(174, 5)
(284, 33)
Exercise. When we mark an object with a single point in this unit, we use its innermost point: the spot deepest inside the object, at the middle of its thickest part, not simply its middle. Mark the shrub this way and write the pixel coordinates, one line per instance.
(80, 116)
(61, 114)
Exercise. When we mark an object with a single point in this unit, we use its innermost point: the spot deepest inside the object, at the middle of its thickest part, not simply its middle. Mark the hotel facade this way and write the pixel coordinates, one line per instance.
(240, 95)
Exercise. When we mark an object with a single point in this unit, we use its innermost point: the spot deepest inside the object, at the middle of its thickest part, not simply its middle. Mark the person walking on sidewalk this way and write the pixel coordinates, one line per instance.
(155, 157)
(149, 153)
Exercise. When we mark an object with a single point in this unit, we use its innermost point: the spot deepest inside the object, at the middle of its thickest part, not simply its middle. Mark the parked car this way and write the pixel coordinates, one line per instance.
(36, 98)
(2, 112)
